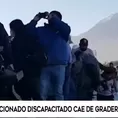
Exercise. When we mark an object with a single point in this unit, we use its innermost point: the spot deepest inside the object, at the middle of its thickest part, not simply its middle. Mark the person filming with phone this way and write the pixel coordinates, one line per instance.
(53, 37)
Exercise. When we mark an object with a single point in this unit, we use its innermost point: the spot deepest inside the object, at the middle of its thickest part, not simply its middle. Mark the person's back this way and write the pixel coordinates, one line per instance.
(107, 86)
(20, 47)
(5, 48)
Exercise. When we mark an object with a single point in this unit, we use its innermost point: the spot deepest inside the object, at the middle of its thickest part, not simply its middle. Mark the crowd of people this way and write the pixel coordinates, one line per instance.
(51, 69)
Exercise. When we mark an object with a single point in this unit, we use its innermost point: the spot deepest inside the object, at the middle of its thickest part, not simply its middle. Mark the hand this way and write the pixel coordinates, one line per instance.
(41, 15)
(45, 15)
(37, 18)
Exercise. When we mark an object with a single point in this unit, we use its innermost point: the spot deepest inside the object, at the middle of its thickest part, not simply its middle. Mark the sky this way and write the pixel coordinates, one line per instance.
(81, 15)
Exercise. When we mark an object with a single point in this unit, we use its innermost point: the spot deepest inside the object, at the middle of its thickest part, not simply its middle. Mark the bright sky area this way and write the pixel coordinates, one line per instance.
(81, 15)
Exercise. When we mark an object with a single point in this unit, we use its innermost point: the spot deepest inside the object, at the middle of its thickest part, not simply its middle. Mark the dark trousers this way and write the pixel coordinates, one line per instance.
(102, 97)
(27, 87)
(81, 95)
(7, 79)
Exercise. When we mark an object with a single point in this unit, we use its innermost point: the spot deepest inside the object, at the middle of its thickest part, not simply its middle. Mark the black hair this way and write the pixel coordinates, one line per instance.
(84, 41)
(111, 63)
(17, 26)
(57, 13)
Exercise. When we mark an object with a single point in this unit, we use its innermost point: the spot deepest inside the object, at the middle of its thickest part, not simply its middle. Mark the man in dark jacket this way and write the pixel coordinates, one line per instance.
(24, 49)
(53, 38)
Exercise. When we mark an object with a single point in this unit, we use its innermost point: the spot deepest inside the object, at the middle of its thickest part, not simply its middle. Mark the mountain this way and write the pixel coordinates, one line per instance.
(103, 38)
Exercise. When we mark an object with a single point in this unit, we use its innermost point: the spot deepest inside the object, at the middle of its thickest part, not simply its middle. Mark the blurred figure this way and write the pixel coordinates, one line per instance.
(7, 76)
(117, 72)
(27, 57)
(107, 86)
(5, 49)
(117, 67)
(85, 72)
(67, 82)
(111, 65)
(53, 38)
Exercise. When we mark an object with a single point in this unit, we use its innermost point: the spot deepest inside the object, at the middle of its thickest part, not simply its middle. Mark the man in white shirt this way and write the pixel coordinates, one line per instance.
(83, 48)
(89, 74)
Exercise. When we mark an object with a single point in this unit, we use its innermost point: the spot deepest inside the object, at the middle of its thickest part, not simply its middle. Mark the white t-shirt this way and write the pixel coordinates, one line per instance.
(87, 52)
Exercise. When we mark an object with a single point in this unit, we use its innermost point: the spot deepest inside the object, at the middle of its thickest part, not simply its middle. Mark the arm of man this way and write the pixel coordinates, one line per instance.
(105, 68)
(63, 28)
(34, 21)
(31, 26)
(102, 67)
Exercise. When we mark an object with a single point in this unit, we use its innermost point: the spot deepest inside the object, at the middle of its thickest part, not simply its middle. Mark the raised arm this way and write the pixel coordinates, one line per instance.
(35, 20)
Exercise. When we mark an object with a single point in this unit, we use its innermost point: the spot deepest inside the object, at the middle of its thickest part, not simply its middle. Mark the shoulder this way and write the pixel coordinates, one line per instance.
(75, 49)
(89, 51)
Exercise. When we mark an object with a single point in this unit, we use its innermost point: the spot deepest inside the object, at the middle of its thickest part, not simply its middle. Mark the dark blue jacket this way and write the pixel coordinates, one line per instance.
(53, 38)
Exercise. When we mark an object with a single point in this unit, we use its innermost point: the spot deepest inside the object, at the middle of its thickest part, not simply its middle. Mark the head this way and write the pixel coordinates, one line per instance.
(111, 64)
(16, 27)
(56, 14)
(110, 73)
(107, 75)
(83, 44)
